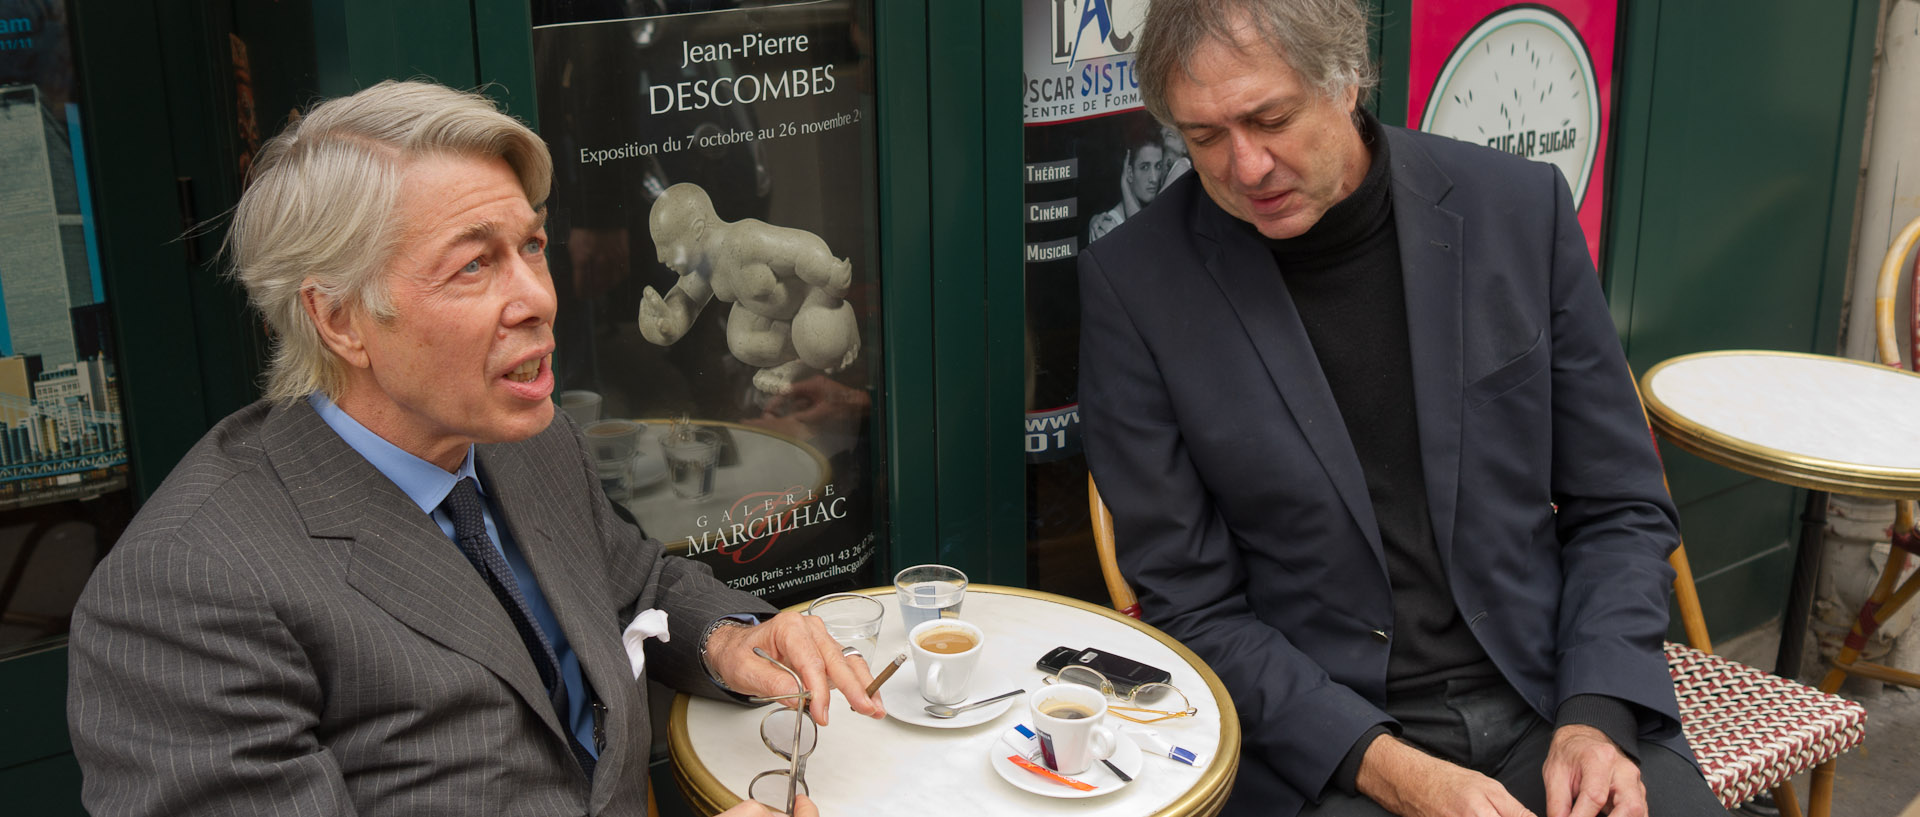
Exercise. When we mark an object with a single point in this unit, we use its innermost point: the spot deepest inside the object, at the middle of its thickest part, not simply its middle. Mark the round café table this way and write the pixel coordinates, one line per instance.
(863, 766)
(1811, 421)
(761, 463)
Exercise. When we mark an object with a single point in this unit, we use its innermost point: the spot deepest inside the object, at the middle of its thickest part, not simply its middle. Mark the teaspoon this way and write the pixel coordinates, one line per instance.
(943, 711)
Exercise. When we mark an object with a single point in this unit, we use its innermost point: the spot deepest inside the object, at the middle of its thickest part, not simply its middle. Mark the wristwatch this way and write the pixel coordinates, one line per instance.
(707, 638)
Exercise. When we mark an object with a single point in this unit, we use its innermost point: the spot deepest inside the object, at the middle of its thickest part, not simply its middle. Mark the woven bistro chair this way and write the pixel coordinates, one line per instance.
(1887, 599)
(1751, 731)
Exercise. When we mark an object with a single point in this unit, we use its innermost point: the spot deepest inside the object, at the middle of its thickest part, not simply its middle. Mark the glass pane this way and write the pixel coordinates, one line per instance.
(715, 247)
(1093, 158)
(63, 455)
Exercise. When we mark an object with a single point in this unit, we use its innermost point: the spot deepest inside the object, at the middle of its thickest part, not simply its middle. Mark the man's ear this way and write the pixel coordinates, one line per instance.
(339, 327)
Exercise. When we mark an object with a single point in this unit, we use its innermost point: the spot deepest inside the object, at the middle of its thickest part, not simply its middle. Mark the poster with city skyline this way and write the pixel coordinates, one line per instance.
(61, 435)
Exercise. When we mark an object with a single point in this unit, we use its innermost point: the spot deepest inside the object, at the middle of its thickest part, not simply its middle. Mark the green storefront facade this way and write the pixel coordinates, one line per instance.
(1733, 175)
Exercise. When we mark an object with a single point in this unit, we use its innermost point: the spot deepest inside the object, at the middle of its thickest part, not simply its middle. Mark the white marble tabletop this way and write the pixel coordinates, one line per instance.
(862, 766)
(1813, 420)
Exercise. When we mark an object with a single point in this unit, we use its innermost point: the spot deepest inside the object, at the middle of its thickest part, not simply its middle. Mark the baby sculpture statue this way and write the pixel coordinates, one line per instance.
(790, 316)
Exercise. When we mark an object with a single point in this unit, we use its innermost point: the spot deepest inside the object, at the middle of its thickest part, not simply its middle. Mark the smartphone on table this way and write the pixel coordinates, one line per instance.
(1125, 673)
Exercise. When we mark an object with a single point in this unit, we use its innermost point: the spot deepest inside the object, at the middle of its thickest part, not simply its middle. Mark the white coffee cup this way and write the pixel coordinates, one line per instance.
(582, 405)
(945, 677)
(1070, 721)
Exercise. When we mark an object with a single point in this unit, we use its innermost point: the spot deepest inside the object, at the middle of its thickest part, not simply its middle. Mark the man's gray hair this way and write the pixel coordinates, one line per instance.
(318, 212)
(1323, 41)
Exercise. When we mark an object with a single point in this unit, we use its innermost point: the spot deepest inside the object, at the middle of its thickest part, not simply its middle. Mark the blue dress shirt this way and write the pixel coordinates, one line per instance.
(428, 485)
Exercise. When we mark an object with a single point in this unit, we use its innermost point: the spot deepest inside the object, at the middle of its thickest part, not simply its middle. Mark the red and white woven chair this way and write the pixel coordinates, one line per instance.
(1751, 731)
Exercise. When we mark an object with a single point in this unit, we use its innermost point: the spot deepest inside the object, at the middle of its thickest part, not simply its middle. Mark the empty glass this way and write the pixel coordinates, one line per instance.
(852, 619)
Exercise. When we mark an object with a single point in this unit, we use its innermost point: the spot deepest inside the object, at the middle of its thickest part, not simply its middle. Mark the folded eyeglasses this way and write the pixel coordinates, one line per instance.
(1129, 708)
(789, 733)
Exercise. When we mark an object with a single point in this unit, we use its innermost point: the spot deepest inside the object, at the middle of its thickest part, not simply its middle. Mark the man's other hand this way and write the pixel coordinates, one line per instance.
(1412, 783)
(1587, 775)
(802, 807)
(800, 642)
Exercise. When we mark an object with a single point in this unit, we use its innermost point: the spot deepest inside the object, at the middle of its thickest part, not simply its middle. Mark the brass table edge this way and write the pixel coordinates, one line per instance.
(1798, 470)
(1207, 796)
(697, 784)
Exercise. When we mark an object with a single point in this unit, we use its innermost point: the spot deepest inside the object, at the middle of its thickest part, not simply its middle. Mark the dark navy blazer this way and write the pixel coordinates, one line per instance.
(1241, 511)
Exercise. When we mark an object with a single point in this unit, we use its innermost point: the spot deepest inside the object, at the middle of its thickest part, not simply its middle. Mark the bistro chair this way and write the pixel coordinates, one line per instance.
(1885, 600)
(1751, 731)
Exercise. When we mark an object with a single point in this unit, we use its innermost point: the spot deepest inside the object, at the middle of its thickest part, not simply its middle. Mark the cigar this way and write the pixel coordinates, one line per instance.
(885, 674)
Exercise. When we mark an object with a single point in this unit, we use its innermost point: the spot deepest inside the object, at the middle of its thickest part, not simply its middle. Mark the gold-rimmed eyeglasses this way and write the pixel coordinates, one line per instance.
(789, 733)
(1128, 707)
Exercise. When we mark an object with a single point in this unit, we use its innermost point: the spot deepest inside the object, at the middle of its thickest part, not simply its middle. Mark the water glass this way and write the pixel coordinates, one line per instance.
(692, 456)
(929, 592)
(852, 619)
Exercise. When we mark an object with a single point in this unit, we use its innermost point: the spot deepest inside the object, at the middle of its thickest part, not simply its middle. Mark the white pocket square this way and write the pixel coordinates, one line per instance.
(649, 624)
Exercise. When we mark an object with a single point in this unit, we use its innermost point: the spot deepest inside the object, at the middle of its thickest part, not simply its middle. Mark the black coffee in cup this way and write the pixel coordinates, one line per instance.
(1066, 711)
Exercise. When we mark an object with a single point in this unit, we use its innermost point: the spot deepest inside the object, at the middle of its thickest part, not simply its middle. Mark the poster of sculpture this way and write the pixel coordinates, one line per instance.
(61, 435)
(713, 240)
(1094, 157)
(1534, 79)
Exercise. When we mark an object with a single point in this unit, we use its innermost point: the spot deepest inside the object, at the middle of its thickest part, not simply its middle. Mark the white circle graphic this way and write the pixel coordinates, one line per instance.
(1521, 81)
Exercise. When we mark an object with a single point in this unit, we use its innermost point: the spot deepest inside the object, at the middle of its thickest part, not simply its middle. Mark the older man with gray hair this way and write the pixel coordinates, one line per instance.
(393, 586)
(1372, 447)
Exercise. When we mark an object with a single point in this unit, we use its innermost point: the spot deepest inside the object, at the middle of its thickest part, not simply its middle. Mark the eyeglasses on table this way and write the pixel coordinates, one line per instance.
(1128, 708)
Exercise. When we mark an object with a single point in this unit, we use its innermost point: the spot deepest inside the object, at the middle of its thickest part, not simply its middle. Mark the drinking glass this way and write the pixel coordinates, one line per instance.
(692, 455)
(929, 592)
(852, 619)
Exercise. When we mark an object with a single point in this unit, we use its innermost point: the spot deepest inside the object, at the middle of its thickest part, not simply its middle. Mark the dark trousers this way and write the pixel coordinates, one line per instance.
(1487, 727)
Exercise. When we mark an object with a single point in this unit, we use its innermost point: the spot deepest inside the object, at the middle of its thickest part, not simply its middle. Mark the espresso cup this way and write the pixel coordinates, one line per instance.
(1070, 721)
(945, 651)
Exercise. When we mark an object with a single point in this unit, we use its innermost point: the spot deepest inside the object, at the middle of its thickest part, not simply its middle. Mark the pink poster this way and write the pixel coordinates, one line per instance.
(1532, 79)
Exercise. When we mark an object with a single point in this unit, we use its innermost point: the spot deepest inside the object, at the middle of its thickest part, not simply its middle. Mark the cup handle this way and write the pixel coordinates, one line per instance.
(1101, 740)
(933, 679)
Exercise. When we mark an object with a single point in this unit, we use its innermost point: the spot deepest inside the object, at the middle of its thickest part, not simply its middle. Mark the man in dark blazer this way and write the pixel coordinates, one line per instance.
(1372, 448)
(394, 586)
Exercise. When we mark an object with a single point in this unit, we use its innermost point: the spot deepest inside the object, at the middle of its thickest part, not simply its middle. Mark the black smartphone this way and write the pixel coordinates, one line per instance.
(1125, 673)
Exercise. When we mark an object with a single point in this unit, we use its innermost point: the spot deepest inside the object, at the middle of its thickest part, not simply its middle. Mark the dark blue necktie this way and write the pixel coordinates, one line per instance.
(464, 505)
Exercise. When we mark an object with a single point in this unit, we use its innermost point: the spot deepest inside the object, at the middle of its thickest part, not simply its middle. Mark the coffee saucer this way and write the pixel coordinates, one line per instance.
(1126, 755)
(901, 694)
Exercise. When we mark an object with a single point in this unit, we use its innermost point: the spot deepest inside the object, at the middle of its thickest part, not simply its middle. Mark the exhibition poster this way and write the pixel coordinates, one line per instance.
(713, 241)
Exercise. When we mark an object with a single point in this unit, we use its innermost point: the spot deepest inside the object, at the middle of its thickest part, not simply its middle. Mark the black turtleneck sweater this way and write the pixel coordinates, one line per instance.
(1345, 279)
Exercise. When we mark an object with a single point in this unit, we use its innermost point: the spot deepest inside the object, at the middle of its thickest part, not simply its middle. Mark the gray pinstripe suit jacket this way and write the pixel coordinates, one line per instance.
(281, 631)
